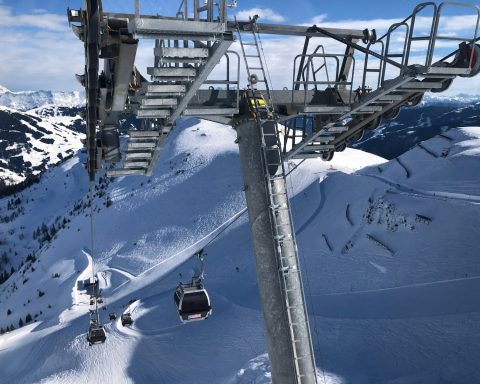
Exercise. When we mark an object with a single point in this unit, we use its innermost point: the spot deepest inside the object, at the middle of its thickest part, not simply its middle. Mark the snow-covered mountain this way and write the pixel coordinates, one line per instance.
(38, 129)
(388, 250)
(27, 100)
(33, 141)
(436, 114)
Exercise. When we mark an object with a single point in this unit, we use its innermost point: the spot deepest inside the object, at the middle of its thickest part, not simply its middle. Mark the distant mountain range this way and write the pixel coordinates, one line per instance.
(33, 141)
(38, 129)
(27, 100)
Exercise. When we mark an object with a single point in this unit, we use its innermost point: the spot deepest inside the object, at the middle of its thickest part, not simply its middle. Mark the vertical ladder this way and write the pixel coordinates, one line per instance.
(286, 251)
(256, 68)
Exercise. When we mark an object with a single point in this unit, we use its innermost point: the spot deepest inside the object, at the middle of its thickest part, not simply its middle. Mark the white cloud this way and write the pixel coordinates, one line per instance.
(36, 19)
(447, 25)
(43, 60)
(39, 51)
(265, 14)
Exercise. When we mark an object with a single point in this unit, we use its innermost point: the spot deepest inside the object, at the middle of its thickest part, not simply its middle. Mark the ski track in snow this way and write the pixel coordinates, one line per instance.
(424, 193)
(415, 300)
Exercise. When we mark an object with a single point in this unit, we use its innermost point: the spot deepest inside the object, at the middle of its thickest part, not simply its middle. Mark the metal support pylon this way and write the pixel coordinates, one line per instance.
(279, 277)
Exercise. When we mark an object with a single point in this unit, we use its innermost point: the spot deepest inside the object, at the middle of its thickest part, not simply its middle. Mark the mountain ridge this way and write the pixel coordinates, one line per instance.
(27, 100)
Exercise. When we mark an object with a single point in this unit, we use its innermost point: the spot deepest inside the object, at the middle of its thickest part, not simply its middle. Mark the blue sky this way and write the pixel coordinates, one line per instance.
(40, 52)
(297, 11)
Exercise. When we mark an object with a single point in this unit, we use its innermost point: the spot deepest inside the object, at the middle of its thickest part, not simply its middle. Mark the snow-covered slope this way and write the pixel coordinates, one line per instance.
(26, 100)
(30, 142)
(388, 251)
(436, 114)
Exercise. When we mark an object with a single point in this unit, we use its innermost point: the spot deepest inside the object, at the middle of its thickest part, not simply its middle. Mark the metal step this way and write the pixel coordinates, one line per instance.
(130, 155)
(165, 94)
(136, 164)
(368, 109)
(159, 107)
(336, 128)
(181, 52)
(170, 102)
(142, 145)
(126, 172)
(176, 79)
(153, 113)
(166, 88)
(182, 60)
(421, 85)
(205, 111)
(448, 71)
(319, 147)
(149, 107)
(143, 140)
(301, 155)
(390, 98)
(323, 139)
(171, 72)
(327, 109)
(137, 133)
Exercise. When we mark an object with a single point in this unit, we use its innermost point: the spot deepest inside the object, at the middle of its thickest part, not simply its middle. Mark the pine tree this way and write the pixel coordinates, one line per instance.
(20, 323)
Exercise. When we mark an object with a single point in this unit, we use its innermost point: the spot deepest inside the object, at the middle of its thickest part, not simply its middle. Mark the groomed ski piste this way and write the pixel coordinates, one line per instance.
(389, 254)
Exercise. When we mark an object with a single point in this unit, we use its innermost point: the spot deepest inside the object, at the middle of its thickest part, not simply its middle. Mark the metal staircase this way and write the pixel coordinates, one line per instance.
(342, 113)
(186, 51)
(188, 69)
(141, 154)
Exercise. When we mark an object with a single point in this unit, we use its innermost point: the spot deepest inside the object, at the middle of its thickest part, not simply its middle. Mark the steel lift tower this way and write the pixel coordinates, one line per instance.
(325, 108)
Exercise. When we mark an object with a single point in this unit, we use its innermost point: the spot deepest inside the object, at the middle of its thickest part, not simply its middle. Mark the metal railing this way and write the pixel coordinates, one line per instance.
(436, 37)
(213, 11)
(410, 24)
(309, 68)
(399, 56)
